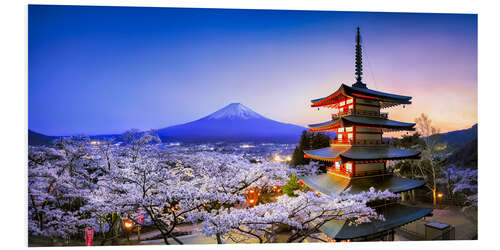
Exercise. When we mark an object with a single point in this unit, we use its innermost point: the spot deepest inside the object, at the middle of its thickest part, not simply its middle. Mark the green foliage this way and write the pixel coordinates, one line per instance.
(291, 185)
(308, 141)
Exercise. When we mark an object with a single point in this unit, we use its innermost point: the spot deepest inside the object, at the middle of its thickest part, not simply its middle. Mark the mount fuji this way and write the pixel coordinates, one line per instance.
(233, 123)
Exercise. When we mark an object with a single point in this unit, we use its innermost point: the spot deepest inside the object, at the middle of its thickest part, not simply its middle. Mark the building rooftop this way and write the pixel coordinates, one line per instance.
(385, 99)
(356, 120)
(329, 184)
(395, 215)
(355, 152)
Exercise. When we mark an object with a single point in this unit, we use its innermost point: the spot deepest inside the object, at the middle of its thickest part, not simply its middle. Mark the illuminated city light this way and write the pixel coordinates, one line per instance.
(128, 224)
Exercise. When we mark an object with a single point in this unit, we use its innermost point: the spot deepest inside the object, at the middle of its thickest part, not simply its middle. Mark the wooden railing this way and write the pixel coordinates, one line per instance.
(341, 142)
(358, 142)
(371, 142)
(339, 171)
(383, 115)
(370, 172)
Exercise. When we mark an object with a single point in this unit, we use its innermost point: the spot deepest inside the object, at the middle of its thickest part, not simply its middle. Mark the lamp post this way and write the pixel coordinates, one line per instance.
(440, 196)
(128, 224)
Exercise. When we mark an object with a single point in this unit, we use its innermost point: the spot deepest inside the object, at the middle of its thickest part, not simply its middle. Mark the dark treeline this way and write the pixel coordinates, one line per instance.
(308, 141)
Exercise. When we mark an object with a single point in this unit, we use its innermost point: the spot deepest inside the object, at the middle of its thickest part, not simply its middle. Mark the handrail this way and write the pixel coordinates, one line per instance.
(383, 115)
(344, 141)
(358, 142)
(340, 171)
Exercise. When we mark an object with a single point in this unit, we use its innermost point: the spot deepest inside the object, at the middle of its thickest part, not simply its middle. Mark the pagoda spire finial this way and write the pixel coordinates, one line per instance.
(359, 62)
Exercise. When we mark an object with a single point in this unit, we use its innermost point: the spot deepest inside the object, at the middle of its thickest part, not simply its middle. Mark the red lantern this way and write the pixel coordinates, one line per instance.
(252, 197)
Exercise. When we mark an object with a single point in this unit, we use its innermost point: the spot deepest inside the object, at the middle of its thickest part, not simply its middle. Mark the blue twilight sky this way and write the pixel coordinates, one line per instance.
(97, 70)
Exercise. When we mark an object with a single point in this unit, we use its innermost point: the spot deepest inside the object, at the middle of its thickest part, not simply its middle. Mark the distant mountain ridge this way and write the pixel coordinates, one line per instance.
(233, 123)
(37, 139)
(459, 138)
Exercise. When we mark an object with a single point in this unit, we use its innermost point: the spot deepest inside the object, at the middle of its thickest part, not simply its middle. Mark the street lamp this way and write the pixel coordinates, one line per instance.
(128, 224)
(440, 196)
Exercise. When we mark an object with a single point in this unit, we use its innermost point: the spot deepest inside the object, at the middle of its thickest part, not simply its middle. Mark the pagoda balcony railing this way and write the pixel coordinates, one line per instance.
(369, 172)
(356, 174)
(358, 142)
(383, 115)
(341, 142)
(371, 142)
(339, 171)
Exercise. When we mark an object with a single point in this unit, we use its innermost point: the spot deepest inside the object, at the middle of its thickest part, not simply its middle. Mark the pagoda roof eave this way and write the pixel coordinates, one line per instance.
(355, 152)
(387, 98)
(332, 184)
(355, 120)
(396, 215)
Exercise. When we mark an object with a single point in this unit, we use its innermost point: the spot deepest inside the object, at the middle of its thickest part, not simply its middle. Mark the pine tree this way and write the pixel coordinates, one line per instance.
(291, 185)
(308, 141)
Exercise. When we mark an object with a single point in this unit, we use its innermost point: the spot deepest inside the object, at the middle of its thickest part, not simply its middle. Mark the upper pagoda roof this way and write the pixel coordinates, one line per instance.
(395, 215)
(385, 99)
(355, 152)
(330, 184)
(353, 120)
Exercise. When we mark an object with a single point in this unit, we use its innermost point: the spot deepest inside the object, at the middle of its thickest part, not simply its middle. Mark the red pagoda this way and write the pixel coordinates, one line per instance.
(357, 158)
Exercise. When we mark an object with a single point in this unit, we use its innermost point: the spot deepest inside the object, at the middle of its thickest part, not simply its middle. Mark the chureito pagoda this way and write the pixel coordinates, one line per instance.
(357, 158)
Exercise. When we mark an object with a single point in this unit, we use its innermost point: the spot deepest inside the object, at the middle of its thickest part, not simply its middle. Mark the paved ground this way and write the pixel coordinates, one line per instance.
(465, 227)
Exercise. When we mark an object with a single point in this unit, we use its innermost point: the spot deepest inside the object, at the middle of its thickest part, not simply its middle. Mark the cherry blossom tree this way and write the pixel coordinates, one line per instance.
(77, 183)
(304, 214)
(59, 178)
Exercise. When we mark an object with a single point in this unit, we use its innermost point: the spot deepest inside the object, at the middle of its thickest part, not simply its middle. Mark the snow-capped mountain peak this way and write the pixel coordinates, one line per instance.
(235, 111)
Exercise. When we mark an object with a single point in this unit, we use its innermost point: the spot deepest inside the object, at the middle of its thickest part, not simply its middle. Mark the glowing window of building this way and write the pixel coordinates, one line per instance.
(335, 110)
(342, 103)
(348, 167)
(351, 107)
(341, 129)
(349, 101)
(341, 110)
(348, 129)
(349, 136)
(337, 165)
(339, 136)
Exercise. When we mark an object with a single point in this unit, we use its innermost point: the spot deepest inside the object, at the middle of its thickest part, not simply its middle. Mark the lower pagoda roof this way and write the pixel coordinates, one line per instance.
(355, 152)
(356, 120)
(332, 184)
(396, 215)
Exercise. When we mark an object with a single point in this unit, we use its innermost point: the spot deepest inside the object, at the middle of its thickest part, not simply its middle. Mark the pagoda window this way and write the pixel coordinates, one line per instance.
(349, 136)
(349, 101)
(341, 110)
(348, 129)
(348, 167)
(337, 165)
(351, 107)
(342, 103)
(339, 136)
(341, 130)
